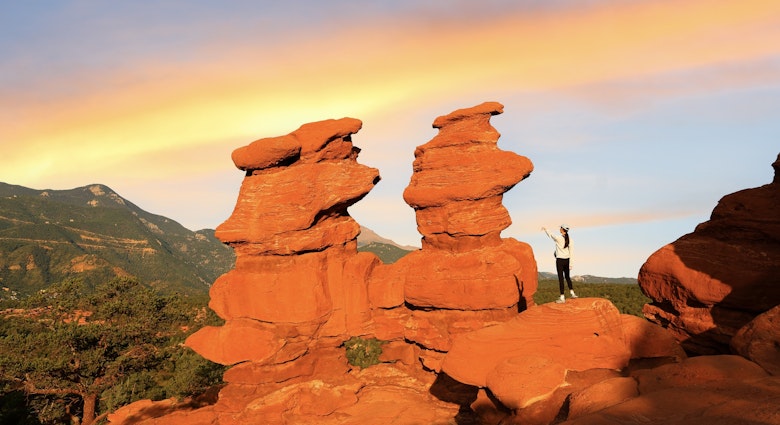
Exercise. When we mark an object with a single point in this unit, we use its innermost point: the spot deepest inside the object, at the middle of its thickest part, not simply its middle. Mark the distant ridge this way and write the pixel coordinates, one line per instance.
(368, 236)
(93, 233)
(589, 278)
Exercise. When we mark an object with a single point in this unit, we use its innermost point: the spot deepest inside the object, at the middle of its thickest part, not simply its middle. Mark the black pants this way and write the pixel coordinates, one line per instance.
(562, 266)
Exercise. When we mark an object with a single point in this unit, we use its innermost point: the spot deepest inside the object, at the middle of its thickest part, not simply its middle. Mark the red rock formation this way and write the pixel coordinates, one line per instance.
(557, 356)
(461, 175)
(297, 277)
(463, 304)
(706, 285)
(713, 390)
(465, 276)
(585, 333)
(299, 287)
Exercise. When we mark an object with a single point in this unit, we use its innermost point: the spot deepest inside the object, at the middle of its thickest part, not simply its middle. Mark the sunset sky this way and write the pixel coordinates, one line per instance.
(639, 115)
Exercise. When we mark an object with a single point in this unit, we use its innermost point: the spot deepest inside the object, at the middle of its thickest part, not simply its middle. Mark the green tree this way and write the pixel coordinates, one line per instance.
(73, 350)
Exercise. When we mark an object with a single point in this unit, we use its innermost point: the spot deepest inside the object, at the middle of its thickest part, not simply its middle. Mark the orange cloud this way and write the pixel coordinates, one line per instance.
(246, 90)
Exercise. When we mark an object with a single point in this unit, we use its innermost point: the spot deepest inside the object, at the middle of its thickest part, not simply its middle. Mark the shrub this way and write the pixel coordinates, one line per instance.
(363, 352)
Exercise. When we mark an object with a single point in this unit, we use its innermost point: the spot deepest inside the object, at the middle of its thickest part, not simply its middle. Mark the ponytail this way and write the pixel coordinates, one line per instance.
(566, 238)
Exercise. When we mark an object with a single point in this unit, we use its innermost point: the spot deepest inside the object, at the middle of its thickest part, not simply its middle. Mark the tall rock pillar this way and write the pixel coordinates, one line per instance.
(465, 276)
(296, 249)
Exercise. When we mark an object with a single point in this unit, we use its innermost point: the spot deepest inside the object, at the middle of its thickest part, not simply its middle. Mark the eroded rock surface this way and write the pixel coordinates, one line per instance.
(465, 276)
(296, 278)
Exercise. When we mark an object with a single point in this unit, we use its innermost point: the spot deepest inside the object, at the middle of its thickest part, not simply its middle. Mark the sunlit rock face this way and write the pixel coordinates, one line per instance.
(465, 276)
(299, 288)
(459, 179)
(296, 250)
(708, 284)
(582, 334)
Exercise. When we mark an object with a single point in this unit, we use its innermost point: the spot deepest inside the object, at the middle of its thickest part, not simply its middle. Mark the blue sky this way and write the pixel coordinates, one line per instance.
(638, 115)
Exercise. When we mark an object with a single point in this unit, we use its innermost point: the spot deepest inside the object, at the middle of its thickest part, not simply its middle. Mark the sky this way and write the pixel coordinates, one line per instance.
(639, 115)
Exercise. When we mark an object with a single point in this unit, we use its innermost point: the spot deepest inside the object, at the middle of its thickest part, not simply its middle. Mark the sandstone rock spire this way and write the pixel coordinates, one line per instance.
(456, 190)
(459, 179)
(465, 276)
(292, 236)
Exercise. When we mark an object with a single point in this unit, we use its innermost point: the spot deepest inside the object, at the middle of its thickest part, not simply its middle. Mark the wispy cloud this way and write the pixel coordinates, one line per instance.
(368, 69)
(130, 93)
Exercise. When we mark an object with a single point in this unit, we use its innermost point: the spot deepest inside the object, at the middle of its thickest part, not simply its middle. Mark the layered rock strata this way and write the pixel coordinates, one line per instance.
(299, 287)
(465, 276)
(297, 273)
(707, 284)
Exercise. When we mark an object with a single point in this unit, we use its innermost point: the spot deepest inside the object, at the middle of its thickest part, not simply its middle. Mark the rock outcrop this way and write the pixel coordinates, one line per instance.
(296, 249)
(465, 276)
(463, 340)
(299, 288)
(712, 390)
(533, 363)
(708, 284)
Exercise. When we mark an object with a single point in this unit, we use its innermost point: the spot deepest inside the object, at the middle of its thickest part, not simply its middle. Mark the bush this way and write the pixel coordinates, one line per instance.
(363, 352)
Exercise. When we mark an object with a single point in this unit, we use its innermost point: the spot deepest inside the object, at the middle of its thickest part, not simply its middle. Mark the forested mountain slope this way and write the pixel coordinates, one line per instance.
(93, 233)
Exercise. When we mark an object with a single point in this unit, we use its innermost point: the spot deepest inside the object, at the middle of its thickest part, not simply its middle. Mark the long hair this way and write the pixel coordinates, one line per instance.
(566, 238)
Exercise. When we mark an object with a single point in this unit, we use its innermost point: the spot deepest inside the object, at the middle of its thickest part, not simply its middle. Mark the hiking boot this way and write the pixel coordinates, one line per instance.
(573, 295)
(560, 300)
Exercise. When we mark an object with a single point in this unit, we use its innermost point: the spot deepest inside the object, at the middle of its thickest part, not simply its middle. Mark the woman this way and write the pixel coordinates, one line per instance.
(563, 255)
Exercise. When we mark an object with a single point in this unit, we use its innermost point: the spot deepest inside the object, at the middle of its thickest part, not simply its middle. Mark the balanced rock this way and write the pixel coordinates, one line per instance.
(465, 276)
(708, 284)
(297, 276)
(299, 288)
(456, 189)
(459, 178)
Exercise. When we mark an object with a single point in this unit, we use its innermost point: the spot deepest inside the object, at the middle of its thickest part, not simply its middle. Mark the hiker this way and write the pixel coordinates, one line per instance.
(563, 255)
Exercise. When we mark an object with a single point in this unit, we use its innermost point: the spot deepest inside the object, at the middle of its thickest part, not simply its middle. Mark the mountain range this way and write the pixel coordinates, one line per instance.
(586, 278)
(95, 234)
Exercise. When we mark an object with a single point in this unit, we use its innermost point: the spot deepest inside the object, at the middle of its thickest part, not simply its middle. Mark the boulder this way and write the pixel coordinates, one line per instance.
(705, 390)
(265, 153)
(299, 208)
(522, 380)
(584, 333)
(708, 284)
(218, 343)
(602, 395)
(759, 341)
